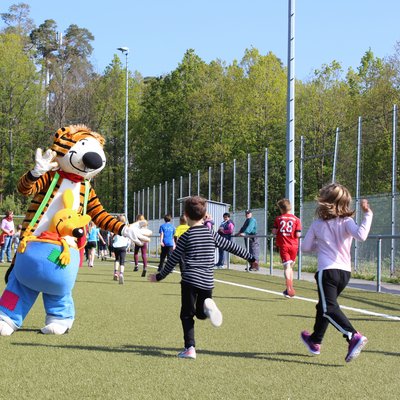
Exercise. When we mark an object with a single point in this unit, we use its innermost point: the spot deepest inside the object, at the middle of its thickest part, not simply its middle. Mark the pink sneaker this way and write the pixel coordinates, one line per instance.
(313, 348)
(356, 344)
(188, 353)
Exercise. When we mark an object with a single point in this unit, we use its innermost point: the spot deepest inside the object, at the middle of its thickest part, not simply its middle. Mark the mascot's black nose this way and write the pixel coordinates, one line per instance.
(92, 160)
(78, 232)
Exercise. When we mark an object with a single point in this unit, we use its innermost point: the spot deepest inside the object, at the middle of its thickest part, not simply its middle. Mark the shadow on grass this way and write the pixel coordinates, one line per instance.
(374, 320)
(251, 277)
(231, 298)
(379, 320)
(297, 316)
(385, 353)
(164, 353)
(380, 303)
(385, 305)
(127, 281)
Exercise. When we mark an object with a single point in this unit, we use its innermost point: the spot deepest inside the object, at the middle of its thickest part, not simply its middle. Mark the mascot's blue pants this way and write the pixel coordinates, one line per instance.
(38, 270)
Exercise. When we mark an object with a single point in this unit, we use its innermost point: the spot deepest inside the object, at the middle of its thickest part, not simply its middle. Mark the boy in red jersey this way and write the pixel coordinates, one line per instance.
(287, 228)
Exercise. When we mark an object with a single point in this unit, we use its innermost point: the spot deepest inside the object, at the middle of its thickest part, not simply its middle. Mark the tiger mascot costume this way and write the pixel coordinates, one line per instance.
(75, 157)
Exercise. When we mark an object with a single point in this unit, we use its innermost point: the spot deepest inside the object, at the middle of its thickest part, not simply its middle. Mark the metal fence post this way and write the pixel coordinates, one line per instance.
(209, 182)
(198, 182)
(265, 204)
(271, 255)
(166, 198)
(234, 188)
(301, 204)
(379, 265)
(142, 204)
(173, 198)
(134, 204)
(335, 154)
(148, 203)
(180, 193)
(358, 177)
(394, 190)
(154, 202)
(248, 180)
(222, 183)
(159, 201)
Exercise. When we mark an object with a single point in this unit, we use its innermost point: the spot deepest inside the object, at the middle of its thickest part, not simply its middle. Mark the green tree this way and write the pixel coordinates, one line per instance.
(70, 71)
(17, 19)
(19, 96)
(374, 91)
(108, 103)
(321, 106)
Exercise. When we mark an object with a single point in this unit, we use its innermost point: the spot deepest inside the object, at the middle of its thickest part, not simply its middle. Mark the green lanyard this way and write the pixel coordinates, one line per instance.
(48, 194)
(86, 198)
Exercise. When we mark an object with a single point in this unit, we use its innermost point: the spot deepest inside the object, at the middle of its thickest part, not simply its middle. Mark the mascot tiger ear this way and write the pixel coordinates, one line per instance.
(73, 160)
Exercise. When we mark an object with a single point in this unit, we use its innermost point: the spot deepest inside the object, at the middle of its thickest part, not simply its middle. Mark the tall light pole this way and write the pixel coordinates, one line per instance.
(290, 134)
(125, 50)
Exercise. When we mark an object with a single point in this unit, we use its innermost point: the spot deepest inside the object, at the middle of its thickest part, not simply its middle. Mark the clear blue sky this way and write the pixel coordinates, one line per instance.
(158, 32)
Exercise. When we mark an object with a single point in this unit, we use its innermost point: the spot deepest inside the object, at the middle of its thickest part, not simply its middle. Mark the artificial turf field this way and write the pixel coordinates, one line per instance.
(125, 339)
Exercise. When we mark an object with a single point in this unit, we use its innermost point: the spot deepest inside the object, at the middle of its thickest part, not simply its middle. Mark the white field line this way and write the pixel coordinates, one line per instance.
(359, 310)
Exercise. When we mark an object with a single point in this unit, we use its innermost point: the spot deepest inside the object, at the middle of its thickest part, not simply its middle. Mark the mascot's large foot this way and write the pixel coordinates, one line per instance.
(6, 329)
(54, 329)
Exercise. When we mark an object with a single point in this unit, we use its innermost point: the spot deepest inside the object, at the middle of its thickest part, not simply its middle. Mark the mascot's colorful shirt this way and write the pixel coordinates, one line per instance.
(29, 185)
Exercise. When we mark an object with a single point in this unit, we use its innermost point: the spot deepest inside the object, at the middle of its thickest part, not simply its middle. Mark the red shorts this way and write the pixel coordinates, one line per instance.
(288, 254)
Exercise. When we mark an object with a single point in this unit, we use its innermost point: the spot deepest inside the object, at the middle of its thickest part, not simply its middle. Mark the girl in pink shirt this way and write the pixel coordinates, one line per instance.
(331, 236)
(7, 229)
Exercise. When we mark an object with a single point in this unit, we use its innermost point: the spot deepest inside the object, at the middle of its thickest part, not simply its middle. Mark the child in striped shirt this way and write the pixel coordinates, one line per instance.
(197, 246)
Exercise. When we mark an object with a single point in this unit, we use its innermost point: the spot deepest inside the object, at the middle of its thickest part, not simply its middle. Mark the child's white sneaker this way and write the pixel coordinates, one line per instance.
(188, 353)
(212, 312)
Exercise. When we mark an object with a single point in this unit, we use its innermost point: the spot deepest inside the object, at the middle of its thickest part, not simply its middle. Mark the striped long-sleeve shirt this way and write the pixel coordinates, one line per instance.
(197, 246)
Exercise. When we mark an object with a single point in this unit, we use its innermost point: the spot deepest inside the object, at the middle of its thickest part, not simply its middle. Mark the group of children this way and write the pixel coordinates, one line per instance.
(330, 235)
(118, 246)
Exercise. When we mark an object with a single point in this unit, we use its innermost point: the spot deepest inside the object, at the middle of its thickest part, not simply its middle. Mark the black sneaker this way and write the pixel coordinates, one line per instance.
(144, 273)
(136, 268)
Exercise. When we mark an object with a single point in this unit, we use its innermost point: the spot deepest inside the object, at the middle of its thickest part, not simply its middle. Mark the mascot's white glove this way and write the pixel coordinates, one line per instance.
(44, 162)
(137, 232)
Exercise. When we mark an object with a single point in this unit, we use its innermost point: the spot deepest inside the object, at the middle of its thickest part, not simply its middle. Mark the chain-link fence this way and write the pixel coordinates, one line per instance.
(363, 157)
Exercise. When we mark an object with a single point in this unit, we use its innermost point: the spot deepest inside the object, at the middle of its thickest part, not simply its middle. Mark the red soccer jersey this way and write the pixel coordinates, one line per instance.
(287, 225)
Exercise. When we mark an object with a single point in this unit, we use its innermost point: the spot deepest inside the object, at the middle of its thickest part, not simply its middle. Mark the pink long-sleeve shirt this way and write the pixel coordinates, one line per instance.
(332, 239)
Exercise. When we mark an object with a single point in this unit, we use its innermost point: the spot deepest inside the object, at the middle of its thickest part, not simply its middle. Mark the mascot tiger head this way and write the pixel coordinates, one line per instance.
(79, 151)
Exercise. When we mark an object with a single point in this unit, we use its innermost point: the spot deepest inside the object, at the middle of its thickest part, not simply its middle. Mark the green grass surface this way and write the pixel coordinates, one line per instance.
(125, 339)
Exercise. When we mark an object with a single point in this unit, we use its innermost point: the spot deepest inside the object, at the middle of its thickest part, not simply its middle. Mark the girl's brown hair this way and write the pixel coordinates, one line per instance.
(334, 201)
(140, 217)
